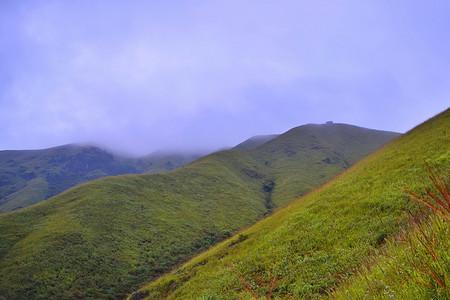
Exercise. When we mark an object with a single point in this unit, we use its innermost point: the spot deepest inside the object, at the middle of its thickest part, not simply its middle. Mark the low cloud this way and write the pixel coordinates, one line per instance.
(142, 76)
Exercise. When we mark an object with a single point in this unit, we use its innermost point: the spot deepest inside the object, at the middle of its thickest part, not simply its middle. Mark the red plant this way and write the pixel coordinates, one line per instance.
(437, 199)
(260, 282)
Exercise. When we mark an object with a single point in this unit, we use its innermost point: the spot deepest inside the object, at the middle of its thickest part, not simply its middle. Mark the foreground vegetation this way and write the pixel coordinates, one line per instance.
(416, 264)
(318, 242)
(104, 239)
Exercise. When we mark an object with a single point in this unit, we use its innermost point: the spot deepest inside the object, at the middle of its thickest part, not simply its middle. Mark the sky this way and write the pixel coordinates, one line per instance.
(140, 76)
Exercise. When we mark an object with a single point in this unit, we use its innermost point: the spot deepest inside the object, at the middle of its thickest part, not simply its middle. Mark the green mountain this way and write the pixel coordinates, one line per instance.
(255, 142)
(29, 176)
(319, 242)
(104, 238)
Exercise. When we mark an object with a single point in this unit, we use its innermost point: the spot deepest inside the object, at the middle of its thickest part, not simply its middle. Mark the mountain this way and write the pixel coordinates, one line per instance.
(319, 242)
(29, 176)
(255, 142)
(104, 238)
(163, 161)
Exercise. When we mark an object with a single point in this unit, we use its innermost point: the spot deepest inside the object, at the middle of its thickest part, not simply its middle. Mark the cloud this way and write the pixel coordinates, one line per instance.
(151, 75)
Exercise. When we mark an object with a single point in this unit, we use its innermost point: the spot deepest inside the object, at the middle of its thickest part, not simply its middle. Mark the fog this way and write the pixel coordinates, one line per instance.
(141, 76)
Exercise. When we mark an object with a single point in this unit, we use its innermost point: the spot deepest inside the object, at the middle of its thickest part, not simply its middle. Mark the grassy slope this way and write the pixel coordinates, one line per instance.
(402, 270)
(333, 147)
(104, 238)
(414, 265)
(107, 235)
(315, 243)
(29, 176)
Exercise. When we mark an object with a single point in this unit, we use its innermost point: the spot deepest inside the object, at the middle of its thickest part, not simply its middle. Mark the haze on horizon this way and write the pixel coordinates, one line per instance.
(147, 75)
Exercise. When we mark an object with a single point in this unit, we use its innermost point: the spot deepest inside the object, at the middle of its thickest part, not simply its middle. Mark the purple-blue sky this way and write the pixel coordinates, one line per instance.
(139, 76)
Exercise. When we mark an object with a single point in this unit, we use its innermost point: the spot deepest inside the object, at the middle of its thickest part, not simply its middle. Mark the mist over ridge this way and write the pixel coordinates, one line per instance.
(151, 76)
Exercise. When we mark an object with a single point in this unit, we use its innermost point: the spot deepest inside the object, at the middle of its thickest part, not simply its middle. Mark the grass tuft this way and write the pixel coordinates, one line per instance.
(437, 197)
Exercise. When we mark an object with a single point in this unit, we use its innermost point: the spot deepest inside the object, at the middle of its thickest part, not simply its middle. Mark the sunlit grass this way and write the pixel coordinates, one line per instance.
(416, 264)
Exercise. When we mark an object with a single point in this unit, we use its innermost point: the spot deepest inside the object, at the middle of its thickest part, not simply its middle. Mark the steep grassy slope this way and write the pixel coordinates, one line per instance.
(105, 238)
(312, 245)
(416, 263)
(407, 270)
(334, 147)
(29, 176)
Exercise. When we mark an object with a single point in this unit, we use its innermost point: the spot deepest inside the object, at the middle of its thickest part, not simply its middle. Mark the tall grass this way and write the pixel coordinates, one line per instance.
(426, 241)
(436, 197)
(415, 265)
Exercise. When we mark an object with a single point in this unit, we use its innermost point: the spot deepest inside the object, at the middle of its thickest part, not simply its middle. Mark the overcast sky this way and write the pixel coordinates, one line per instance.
(139, 76)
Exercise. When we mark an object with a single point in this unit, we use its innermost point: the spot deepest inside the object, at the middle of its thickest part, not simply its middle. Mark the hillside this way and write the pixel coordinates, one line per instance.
(293, 161)
(105, 238)
(29, 176)
(254, 142)
(310, 247)
(413, 265)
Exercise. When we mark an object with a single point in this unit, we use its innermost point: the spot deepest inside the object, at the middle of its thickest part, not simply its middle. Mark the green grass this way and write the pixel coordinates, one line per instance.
(105, 238)
(101, 238)
(293, 161)
(416, 263)
(403, 269)
(316, 243)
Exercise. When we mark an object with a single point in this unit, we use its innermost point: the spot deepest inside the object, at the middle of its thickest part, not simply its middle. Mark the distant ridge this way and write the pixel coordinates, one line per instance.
(30, 176)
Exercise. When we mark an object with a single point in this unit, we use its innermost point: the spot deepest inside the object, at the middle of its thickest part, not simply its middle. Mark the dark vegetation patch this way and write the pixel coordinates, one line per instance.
(240, 238)
(267, 188)
(139, 295)
(253, 174)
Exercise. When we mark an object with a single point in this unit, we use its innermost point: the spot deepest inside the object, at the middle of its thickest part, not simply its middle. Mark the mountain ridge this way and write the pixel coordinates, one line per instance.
(314, 244)
(30, 176)
(105, 238)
